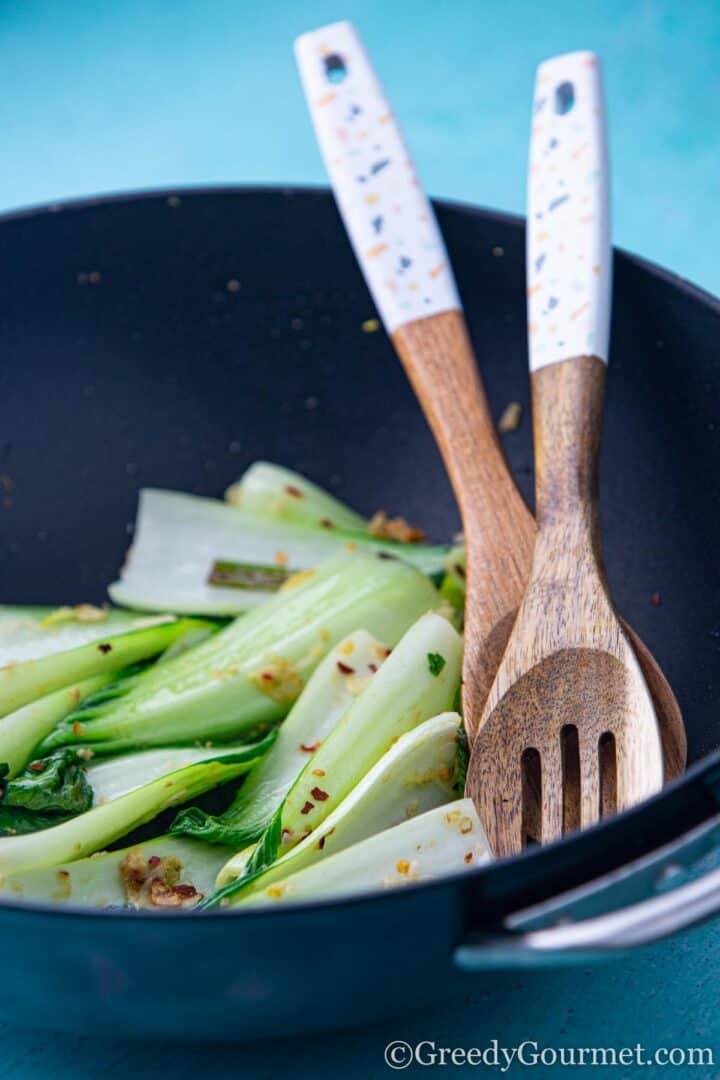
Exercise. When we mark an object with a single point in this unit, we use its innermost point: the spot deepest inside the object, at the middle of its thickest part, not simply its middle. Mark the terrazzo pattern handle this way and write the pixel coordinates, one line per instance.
(388, 218)
(568, 223)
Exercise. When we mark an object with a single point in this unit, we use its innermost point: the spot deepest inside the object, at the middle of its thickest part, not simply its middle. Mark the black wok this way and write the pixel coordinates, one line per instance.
(127, 362)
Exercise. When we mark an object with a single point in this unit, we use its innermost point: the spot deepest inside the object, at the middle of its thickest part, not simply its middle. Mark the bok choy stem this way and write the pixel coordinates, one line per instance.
(250, 673)
(335, 684)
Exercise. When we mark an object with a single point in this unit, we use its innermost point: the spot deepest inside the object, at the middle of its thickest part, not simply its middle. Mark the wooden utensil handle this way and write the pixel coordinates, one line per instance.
(567, 401)
(439, 360)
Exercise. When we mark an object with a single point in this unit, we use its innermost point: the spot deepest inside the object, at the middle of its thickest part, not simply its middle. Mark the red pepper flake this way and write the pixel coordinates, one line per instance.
(37, 766)
(372, 667)
(318, 772)
(468, 857)
(307, 808)
(186, 891)
(321, 842)
(327, 523)
(345, 669)
(388, 651)
(656, 599)
(459, 570)
(267, 676)
(319, 794)
(105, 648)
(77, 729)
(154, 861)
(309, 749)
(294, 491)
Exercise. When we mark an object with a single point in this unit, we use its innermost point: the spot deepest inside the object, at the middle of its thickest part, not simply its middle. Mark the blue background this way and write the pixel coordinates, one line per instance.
(102, 96)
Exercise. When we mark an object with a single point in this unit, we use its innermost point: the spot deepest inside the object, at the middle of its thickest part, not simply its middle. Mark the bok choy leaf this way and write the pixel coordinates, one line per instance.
(96, 828)
(416, 774)
(445, 840)
(180, 538)
(402, 695)
(250, 673)
(24, 680)
(338, 680)
(128, 877)
(275, 492)
(23, 729)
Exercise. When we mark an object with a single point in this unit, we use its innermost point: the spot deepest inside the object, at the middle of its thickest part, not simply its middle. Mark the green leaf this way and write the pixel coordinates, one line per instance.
(436, 662)
(56, 784)
(100, 826)
(16, 821)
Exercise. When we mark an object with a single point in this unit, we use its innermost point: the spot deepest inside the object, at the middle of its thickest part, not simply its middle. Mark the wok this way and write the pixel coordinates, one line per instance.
(126, 361)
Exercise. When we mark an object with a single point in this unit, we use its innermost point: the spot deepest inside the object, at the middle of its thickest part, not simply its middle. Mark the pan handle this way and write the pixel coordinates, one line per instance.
(610, 934)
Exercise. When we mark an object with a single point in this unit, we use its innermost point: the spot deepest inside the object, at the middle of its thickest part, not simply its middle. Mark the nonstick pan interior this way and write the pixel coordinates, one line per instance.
(128, 361)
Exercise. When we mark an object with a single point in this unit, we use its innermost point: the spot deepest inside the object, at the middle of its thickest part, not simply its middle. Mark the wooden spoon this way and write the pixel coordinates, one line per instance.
(569, 731)
(401, 252)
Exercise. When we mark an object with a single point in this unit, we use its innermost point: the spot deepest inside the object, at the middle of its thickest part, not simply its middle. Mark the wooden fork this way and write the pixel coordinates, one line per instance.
(569, 732)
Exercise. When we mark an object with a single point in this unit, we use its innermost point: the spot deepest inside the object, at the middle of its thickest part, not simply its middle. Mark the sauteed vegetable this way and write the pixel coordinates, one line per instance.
(321, 716)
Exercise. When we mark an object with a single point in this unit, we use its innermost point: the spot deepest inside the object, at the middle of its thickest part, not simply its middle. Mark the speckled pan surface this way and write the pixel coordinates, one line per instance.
(127, 361)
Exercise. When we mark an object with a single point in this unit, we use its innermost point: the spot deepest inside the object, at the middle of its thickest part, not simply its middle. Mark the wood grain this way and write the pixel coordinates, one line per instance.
(499, 529)
(569, 663)
(439, 360)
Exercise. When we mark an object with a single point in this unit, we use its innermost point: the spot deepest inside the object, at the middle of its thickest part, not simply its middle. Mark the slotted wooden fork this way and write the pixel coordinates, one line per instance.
(569, 732)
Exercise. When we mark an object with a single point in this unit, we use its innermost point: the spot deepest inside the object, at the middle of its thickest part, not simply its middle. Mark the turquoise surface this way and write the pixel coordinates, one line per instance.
(102, 96)
(109, 96)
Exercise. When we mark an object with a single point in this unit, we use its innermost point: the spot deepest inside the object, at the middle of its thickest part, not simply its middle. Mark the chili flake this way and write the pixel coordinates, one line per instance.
(311, 748)
(37, 766)
(307, 807)
(319, 794)
(105, 648)
(345, 669)
(294, 491)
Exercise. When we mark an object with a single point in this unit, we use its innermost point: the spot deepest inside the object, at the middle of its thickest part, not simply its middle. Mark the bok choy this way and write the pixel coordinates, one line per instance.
(445, 840)
(29, 675)
(422, 770)
(180, 538)
(339, 679)
(249, 674)
(166, 873)
(404, 692)
(139, 793)
(275, 492)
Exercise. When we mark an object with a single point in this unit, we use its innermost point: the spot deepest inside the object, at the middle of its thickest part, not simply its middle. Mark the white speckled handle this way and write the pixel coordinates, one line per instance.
(389, 220)
(568, 223)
